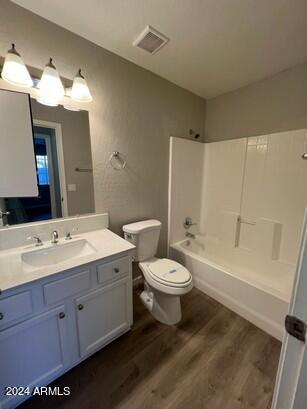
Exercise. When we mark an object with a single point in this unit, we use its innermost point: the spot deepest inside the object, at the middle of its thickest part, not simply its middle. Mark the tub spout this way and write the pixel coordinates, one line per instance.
(190, 235)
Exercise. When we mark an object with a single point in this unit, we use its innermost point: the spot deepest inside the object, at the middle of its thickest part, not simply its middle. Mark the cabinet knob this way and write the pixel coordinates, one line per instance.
(116, 270)
(62, 315)
(1, 316)
(80, 307)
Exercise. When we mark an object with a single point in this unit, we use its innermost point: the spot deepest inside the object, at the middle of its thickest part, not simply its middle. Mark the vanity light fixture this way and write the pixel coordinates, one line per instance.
(49, 90)
(67, 101)
(80, 91)
(50, 87)
(14, 70)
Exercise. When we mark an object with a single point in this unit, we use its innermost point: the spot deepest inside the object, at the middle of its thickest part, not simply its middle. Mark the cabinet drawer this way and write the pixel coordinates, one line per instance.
(113, 270)
(66, 287)
(15, 307)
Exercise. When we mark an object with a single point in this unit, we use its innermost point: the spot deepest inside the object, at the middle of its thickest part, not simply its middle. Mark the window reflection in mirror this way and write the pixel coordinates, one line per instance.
(61, 145)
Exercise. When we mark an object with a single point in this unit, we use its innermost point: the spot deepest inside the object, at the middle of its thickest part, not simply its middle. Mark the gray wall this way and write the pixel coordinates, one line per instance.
(134, 112)
(77, 153)
(275, 104)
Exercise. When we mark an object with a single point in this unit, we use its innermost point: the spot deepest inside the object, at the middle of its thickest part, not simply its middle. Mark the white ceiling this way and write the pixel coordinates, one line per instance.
(216, 45)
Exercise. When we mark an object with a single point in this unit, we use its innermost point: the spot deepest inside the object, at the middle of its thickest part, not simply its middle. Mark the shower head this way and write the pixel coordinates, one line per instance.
(195, 135)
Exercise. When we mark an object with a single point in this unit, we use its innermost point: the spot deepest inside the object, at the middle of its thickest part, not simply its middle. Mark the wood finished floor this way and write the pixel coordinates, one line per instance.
(213, 359)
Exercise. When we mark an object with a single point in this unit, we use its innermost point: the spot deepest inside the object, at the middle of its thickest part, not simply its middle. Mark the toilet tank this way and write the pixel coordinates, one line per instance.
(145, 236)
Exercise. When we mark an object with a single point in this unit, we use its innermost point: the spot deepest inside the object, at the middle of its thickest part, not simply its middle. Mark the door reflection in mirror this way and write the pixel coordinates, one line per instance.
(48, 204)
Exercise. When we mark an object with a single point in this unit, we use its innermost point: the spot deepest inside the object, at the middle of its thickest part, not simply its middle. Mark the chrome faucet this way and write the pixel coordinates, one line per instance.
(37, 239)
(4, 214)
(188, 223)
(190, 235)
(54, 237)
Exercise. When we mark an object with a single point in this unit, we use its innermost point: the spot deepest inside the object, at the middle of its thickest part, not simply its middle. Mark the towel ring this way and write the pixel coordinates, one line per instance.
(117, 160)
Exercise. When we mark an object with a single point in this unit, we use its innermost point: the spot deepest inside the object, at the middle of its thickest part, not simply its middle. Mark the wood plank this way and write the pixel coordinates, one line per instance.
(213, 359)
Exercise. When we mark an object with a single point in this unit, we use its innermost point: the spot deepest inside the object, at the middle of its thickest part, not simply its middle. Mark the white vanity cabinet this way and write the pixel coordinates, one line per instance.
(50, 325)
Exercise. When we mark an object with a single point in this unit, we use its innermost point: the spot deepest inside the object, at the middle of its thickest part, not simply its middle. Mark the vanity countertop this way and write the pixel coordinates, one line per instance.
(14, 272)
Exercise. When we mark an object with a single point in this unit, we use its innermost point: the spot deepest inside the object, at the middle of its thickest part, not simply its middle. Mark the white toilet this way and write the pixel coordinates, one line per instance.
(165, 279)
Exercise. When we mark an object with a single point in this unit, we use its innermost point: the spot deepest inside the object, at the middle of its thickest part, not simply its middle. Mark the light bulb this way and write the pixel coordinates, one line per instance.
(51, 89)
(68, 102)
(14, 70)
(80, 91)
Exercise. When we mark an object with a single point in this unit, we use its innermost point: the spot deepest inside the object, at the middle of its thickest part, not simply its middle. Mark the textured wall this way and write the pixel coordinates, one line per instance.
(134, 112)
(275, 104)
(77, 153)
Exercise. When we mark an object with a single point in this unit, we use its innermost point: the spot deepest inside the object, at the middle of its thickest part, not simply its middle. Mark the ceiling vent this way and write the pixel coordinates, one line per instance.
(150, 40)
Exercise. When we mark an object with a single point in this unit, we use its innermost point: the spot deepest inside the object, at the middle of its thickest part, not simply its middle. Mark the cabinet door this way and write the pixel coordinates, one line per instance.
(32, 353)
(103, 314)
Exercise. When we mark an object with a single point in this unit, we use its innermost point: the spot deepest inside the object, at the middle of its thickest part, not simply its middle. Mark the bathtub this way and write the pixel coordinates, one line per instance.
(260, 297)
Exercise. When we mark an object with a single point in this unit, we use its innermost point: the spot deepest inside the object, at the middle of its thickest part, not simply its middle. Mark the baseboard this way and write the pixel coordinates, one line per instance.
(255, 318)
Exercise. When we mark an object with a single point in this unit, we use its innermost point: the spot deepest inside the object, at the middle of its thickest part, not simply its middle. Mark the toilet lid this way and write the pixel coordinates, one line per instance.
(170, 271)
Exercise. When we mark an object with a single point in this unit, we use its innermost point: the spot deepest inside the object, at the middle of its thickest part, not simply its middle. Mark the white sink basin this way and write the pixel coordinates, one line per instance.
(58, 253)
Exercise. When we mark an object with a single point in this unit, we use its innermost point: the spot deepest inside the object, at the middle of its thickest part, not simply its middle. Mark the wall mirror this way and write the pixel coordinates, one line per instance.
(61, 152)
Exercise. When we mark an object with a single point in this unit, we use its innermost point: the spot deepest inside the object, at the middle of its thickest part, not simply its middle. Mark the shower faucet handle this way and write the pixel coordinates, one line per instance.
(188, 222)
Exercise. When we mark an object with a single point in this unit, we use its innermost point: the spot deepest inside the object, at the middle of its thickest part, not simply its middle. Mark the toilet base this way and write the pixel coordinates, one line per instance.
(163, 307)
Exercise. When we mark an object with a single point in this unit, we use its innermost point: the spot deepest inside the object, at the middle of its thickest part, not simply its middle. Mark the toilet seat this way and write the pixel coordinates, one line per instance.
(178, 282)
(169, 272)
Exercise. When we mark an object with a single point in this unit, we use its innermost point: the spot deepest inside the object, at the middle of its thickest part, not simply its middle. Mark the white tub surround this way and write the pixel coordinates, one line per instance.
(184, 189)
(253, 197)
(60, 302)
